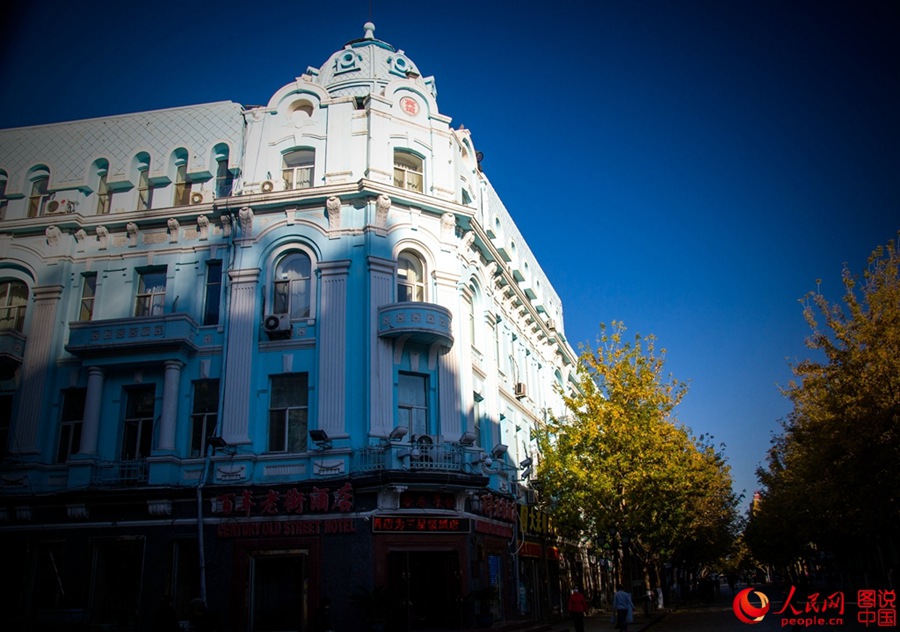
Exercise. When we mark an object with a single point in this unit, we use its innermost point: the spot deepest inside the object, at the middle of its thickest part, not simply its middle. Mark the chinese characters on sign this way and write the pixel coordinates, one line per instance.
(416, 524)
(423, 500)
(877, 607)
(273, 503)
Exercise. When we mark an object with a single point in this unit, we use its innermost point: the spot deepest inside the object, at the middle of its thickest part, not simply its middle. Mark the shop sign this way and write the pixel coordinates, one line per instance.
(419, 524)
(534, 521)
(273, 528)
(497, 507)
(427, 500)
(530, 549)
(490, 528)
(291, 502)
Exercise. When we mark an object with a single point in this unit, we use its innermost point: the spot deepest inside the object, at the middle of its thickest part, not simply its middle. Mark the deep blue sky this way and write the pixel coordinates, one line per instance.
(690, 168)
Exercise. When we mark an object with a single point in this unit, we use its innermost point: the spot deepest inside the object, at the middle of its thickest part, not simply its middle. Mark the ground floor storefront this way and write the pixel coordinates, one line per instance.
(423, 557)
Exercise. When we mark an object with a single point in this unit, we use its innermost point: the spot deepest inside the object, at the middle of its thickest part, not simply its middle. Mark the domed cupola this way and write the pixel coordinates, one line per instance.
(366, 65)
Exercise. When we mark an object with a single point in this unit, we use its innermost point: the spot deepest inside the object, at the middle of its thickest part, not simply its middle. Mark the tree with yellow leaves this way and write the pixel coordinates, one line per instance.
(618, 464)
(832, 481)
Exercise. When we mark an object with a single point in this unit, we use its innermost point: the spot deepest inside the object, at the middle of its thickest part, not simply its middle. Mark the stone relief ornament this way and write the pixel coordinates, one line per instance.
(448, 226)
(225, 221)
(468, 239)
(245, 215)
(173, 229)
(131, 229)
(382, 207)
(80, 235)
(102, 237)
(333, 211)
(52, 233)
(203, 226)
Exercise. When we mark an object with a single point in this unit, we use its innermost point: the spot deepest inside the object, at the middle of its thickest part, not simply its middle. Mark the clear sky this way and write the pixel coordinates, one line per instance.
(690, 168)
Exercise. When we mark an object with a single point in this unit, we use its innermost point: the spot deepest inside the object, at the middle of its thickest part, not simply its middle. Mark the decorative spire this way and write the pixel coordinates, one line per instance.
(370, 30)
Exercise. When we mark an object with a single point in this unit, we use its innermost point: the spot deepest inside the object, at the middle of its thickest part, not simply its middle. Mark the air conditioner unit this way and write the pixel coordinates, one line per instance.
(520, 391)
(529, 496)
(201, 197)
(61, 205)
(277, 325)
(267, 186)
(551, 324)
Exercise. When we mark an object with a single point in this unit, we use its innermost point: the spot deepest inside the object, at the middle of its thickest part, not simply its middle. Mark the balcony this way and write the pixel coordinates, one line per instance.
(419, 457)
(119, 473)
(423, 323)
(169, 332)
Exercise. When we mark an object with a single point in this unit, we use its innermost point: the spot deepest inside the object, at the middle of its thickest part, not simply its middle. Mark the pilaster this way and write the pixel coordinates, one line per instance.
(240, 341)
(332, 346)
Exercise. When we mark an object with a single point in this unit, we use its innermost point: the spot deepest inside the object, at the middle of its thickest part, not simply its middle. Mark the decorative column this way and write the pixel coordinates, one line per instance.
(492, 381)
(240, 340)
(448, 363)
(381, 366)
(35, 364)
(169, 415)
(332, 345)
(90, 427)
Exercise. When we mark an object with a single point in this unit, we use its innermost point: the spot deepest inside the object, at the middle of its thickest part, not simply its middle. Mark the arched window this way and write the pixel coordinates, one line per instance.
(104, 195)
(182, 184)
(145, 187)
(407, 171)
(410, 277)
(40, 194)
(13, 301)
(3, 199)
(298, 169)
(292, 286)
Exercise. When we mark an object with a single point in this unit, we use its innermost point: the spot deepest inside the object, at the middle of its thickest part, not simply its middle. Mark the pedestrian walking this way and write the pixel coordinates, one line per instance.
(624, 608)
(577, 608)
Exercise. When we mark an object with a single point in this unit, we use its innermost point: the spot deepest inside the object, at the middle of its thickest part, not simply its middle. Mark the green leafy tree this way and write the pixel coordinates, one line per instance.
(618, 463)
(832, 480)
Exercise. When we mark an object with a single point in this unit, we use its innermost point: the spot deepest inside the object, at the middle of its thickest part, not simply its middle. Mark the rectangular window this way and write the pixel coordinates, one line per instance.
(140, 404)
(151, 294)
(205, 415)
(185, 573)
(39, 196)
(70, 423)
(298, 169)
(104, 196)
(224, 178)
(88, 292)
(288, 409)
(182, 187)
(145, 191)
(412, 403)
(213, 292)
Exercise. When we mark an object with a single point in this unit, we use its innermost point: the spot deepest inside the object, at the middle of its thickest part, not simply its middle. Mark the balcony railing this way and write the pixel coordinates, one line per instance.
(92, 338)
(119, 472)
(424, 323)
(446, 457)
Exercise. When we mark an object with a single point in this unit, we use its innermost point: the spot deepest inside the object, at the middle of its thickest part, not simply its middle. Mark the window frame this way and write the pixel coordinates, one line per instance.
(405, 164)
(409, 419)
(144, 189)
(279, 439)
(140, 420)
(88, 296)
(183, 186)
(39, 196)
(203, 422)
(410, 287)
(18, 309)
(156, 298)
(283, 299)
(212, 304)
(104, 195)
(71, 423)
(304, 161)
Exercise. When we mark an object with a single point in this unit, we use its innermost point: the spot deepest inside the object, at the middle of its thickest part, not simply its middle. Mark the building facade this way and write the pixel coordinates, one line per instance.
(266, 356)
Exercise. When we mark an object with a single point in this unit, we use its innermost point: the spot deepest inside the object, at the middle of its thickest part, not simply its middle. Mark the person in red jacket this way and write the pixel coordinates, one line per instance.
(577, 608)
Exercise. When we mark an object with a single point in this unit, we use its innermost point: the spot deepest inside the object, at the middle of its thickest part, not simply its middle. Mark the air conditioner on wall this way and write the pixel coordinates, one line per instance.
(201, 197)
(277, 325)
(519, 390)
(267, 186)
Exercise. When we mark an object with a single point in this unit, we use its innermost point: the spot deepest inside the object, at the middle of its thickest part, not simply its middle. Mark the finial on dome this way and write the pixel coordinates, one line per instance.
(370, 30)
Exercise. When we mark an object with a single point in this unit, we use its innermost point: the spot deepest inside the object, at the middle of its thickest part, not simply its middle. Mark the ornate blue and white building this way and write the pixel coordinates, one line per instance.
(263, 356)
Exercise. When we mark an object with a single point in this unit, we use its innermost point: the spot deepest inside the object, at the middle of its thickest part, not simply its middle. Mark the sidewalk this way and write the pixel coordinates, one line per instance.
(600, 622)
